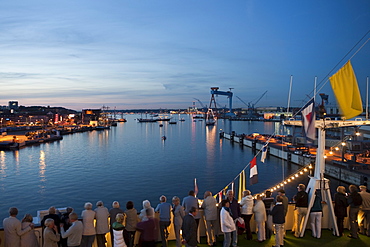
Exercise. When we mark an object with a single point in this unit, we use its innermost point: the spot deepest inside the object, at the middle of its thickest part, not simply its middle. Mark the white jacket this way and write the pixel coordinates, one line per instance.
(118, 238)
(259, 211)
(247, 205)
(227, 222)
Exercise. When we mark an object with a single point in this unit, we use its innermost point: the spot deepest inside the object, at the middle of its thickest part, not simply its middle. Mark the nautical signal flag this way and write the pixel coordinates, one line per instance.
(345, 87)
(241, 185)
(264, 153)
(253, 174)
(308, 120)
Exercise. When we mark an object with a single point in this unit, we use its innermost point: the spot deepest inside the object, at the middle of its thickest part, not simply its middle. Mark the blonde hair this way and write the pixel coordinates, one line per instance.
(120, 218)
(341, 189)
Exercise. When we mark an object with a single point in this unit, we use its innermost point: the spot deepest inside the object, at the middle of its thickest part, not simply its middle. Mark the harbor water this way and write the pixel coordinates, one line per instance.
(132, 162)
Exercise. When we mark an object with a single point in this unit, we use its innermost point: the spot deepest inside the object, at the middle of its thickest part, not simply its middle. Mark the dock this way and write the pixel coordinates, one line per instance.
(346, 172)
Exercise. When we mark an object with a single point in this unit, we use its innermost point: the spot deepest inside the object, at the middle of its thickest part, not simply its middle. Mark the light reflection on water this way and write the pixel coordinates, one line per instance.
(131, 162)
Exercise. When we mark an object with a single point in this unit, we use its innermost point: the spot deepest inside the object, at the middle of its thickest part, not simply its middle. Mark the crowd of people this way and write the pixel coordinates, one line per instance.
(66, 230)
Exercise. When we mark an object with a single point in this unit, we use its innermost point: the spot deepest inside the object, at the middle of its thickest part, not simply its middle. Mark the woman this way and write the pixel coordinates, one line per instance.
(260, 218)
(102, 225)
(142, 216)
(118, 227)
(227, 222)
(178, 215)
(29, 239)
(88, 233)
(316, 215)
(131, 222)
(247, 212)
(51, 235)
(340, 207)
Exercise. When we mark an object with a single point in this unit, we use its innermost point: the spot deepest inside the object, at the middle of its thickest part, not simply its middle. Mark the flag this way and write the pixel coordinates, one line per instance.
(308, 120)
(345, 87)
(195, 187)
(264, 153)
(253, 175)
(220, 196)
(241, 184)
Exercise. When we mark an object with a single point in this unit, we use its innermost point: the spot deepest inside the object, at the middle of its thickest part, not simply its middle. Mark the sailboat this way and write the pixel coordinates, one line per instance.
(210, 117)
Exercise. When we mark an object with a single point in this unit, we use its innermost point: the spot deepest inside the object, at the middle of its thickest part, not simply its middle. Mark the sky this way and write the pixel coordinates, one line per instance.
(166, 53)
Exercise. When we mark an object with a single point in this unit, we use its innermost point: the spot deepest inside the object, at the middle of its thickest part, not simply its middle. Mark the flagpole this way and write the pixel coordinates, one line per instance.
(367, 98)
(290, 91)
(314, 89)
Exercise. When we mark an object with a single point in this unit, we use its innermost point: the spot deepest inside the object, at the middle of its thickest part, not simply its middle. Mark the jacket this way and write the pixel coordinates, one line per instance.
(341, 204)
(247, 205)
(259, 211)
(227, 222)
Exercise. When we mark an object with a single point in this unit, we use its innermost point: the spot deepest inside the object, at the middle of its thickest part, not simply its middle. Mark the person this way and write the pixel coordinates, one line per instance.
(112, 214)
(260, 218)
(13, 229)
(190, 228)
(365, 211)
(247, 212)
(227, 223)
(278, 218)
(149, 229)
(301, 205)
(74, 232)
(354, 201)
(88, 234)
(101, 225)
(164, 209)
(131, 222)
(52, 215)
(64, 219)
(51, 234)
(268, 200)
(235, 213)
(178, 215)
(209, 206)
(316, 215)
(118, 229)
(146, 205)
(191, 201)
(340, 207)
(29, 239)
(281, 193)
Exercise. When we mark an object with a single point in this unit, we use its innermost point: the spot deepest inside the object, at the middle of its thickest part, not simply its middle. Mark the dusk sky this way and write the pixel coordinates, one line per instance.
(163, 54)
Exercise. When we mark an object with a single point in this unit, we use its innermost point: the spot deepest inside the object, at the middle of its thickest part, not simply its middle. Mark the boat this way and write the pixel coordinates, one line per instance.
(122, 120)
(172, 121)
(182, 119)
(210, 117)
(146, 120)
(161, 125)
(114, 123)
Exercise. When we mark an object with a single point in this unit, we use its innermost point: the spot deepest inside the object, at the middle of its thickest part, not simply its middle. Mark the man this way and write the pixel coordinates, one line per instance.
(365, 208)
(190, 228)
(148, 229)
(112, 214)
(278, 218)
(101, 226)
(74, 233)
(235, 213)
(268, 200)
(191, 201)
(285, 202)
(210, 217)
(13, 230)
(164, 209)
(301, 205)
(354, 202)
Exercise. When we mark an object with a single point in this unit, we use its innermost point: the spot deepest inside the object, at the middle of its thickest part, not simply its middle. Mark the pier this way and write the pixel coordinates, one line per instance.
(347, 172)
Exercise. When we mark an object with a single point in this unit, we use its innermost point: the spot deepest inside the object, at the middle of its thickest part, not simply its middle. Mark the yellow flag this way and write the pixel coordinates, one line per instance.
(346, 91)
(241, 185)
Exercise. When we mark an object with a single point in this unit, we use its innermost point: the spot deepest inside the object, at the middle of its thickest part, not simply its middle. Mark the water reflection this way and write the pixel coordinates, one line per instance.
(42, 166)
(210, 143)
(3, 164)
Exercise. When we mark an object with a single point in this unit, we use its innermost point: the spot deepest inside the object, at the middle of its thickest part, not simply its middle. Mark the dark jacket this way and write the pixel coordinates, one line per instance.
(341, 204)
(235, 208)
(189, 230)
(278, 216)
(301, 199)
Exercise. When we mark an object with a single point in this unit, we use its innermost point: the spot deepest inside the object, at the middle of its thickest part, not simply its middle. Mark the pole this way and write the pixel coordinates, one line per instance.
(367, 98)
(290, 91)
(314, 89)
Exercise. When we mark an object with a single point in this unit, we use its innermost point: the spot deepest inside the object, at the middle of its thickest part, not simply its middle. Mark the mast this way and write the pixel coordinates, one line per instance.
(290, 91)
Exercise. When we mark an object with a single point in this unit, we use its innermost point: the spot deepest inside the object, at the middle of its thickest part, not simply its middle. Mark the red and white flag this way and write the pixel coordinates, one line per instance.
(308, 120)
(253, 174)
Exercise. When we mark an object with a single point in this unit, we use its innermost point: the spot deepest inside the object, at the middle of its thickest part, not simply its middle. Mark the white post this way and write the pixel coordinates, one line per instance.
(290, 91)
(314, 90)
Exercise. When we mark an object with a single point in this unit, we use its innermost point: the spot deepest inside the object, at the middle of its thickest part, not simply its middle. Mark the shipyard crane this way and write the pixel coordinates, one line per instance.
(242, 101)
(200, 102)
(229, 94)
(255, 103)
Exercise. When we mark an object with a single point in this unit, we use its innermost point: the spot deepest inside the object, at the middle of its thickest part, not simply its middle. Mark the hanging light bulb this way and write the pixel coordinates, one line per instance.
(343, 144)
(305, 169)
(337, 148)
